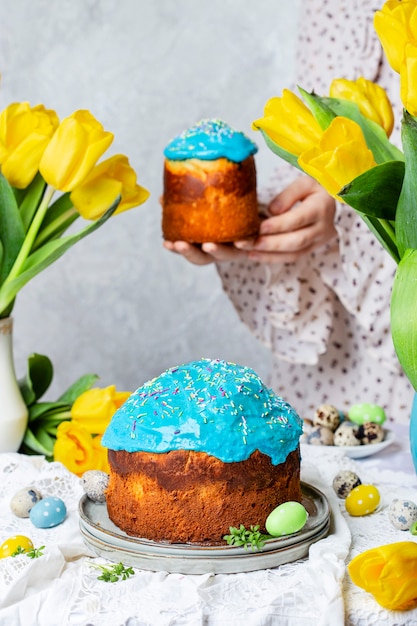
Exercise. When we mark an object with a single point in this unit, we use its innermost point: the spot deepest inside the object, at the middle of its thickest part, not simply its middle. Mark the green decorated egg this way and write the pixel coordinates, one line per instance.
(362, 413)
(285, 519)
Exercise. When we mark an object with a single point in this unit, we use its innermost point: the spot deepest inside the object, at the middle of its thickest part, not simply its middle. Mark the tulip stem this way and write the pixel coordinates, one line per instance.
(385, 233)
(26, 248)
(61, 222)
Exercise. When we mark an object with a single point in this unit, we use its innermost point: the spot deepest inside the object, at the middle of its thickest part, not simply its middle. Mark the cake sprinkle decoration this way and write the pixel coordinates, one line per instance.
(210, 406)
(211, 139)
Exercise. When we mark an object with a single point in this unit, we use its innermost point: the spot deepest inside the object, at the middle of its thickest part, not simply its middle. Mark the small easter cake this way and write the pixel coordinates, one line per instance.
(210, 185)
(202, 447)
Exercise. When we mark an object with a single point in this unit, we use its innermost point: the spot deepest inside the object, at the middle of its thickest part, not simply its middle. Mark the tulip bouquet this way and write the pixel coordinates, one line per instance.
(69, 429)
(40, 156)
(342, 141)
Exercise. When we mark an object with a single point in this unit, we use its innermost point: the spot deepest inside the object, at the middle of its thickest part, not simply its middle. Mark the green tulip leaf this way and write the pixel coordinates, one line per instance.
(321, 110)
(80, 386)
(376, 191)
(45, 440)
(45, 256)
(29, 204)
(48, 411)
(375, 136)
(403, 314)
(283, 154)
(12, 232)
(38, 378)
(31, 445)
(406, 216)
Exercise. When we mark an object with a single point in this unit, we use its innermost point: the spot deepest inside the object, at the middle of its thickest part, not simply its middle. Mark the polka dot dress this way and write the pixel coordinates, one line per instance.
(326, 317)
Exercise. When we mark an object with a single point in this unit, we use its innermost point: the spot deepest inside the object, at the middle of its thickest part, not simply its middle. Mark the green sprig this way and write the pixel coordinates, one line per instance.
(35, 553)
(113, 573)
(252, 538)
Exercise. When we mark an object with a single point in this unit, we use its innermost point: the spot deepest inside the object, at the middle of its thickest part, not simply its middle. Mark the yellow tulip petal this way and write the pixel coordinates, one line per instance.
(73, 151)
(408, 86)
(371, 99)
(94, 408)
(73, 447)
(396, 24)
(104, 184)
(389, 573)
(24, 135)
(341, 156)
(289, 123)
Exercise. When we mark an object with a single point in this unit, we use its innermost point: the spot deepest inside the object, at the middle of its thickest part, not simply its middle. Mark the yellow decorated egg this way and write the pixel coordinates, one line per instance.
(362, 500)
(15, 545)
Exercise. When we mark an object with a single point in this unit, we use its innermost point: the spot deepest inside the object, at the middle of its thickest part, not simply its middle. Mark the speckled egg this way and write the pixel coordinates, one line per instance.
(320, 436)
(344, 482)
(370, 432)
(346, 435)
(327, 415)
(286, 519)
(15, 545)
(95, 484)
(402, 514)
(24, 500)
(362, 500)
(361, 413)
(48, 512)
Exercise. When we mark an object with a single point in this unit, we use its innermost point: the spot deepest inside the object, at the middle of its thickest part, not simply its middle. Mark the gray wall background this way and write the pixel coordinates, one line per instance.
(117, 304)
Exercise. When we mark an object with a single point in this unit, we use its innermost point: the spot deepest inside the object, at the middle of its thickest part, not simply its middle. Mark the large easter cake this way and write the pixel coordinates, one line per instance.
(210, 185)
(202, 447)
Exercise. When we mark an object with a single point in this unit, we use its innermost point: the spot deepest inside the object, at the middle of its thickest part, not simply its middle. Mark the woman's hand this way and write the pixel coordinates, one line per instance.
(206, 253)
(301, 218)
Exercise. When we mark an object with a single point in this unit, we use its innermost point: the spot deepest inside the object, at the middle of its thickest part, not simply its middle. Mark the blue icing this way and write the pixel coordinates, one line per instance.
(210, 406)
(208, 140)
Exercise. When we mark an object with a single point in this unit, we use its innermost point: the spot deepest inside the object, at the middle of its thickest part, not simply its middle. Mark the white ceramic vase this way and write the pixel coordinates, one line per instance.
(13, 410)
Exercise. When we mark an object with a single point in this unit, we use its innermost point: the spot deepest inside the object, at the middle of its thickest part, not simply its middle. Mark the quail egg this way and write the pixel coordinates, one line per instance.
(24, 500)
(327, 415)
(370, 432)
(95, 484)
(344, 482)
(346, 435)
(402, 514)
(320, 436)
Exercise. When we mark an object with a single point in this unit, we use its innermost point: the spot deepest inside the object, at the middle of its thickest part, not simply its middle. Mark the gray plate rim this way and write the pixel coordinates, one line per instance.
(107, 540)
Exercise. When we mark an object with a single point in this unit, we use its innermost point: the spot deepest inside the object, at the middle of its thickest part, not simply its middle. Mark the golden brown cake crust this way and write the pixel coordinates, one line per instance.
(185, 496)
(209, 200)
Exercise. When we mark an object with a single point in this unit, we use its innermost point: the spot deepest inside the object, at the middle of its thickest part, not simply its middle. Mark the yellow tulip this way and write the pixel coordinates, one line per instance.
(396, 24)
(340, 156)
(25, 132)
(408, 87)
(73, 151)
(108, 180)
(101, 461)
(289, 123)
(93, 409)
(74, 448)
(371, 99)
(389, 573)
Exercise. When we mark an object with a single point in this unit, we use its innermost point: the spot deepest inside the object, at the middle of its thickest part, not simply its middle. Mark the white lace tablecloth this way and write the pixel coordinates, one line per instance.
(61, 587)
